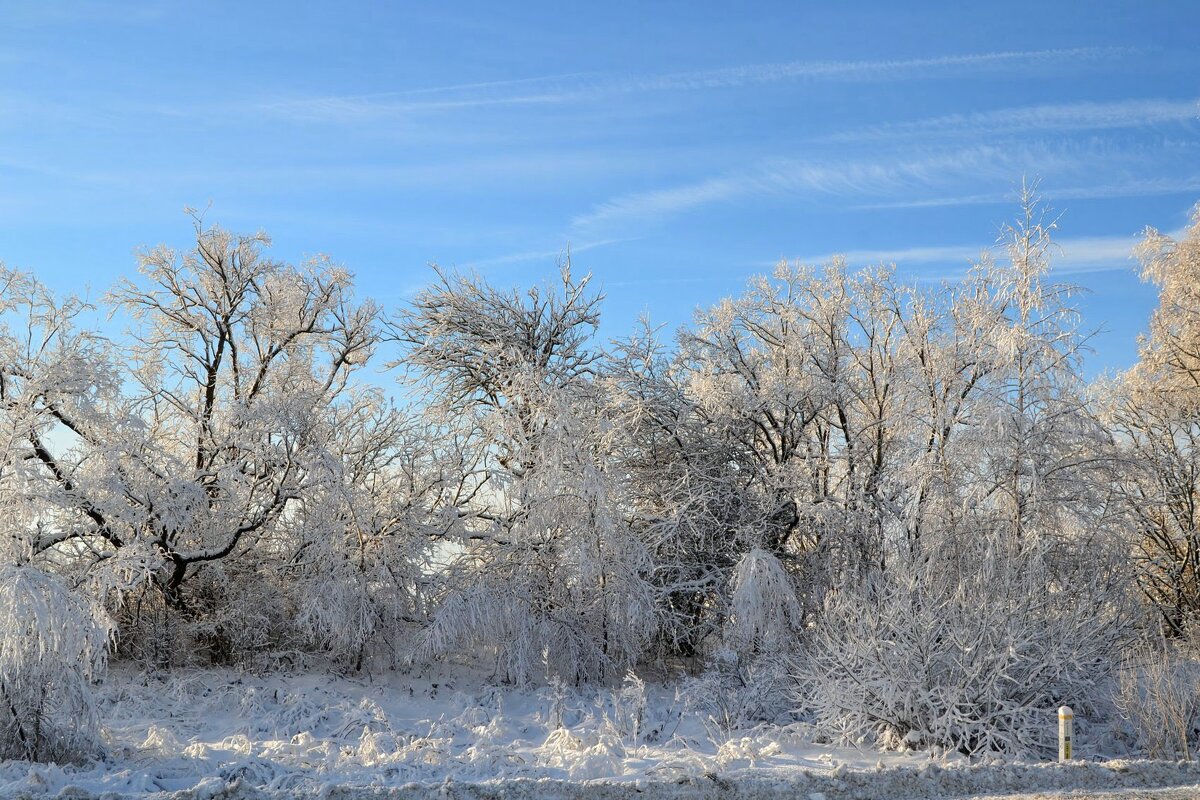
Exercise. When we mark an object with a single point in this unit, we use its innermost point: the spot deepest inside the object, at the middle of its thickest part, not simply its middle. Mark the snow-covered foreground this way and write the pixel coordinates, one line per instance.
(224, 734)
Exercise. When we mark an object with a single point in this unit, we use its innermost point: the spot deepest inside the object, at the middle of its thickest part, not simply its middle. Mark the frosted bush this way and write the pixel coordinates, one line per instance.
(969, 655)
(733, 695)
(1159, 695)
(765, 613)
(52, 645)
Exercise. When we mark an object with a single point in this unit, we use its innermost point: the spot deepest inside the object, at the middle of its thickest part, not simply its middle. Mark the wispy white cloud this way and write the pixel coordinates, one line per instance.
(1094, 254)
(481, 171)
(932, 254)
(1147, 187)
(884, 70)
(354, 108)
(1078, 255)
(837, 178)
(541, 255)
(570, 87)
(1053, 117)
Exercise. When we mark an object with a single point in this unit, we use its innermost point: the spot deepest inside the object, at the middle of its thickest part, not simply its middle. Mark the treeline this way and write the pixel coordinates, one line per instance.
(900, 509)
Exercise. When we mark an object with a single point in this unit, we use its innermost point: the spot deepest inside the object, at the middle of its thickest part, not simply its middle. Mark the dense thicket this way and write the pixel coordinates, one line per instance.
(907, 493)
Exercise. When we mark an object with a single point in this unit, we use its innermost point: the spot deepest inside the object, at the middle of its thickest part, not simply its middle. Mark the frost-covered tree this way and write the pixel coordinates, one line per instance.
(1154, 410)
(806, 383)
(58, 381)
(358, 570)
(545, 571)
(764, 613)
(1011, 589)
(683, 490)
(1043, 450)
(764, 370)
(177, 456)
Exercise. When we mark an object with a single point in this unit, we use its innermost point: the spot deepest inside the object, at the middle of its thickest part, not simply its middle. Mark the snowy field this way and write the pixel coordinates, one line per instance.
(226, 734)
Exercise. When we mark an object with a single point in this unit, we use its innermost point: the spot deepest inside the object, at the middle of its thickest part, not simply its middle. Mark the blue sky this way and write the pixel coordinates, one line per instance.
(678, 147)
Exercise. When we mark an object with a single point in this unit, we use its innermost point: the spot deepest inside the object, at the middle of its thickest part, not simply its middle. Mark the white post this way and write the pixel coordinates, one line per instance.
(1066, 721)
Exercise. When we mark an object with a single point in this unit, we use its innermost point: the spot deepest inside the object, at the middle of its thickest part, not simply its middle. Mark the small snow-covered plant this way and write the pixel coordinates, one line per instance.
(629, 707)
(53, 644)
(1159, 693)
(556, 695)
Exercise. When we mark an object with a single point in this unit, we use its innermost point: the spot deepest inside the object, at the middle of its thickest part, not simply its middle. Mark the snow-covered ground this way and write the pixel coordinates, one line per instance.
(226, 734)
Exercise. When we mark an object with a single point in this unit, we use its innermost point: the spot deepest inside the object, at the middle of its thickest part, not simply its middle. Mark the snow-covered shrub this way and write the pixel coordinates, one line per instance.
(52, 645)
(1160, 696)
(764, 614)
(733, 693)
(970, 653)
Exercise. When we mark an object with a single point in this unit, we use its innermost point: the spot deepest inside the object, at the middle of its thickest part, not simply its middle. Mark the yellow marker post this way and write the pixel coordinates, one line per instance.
(1066, 722)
